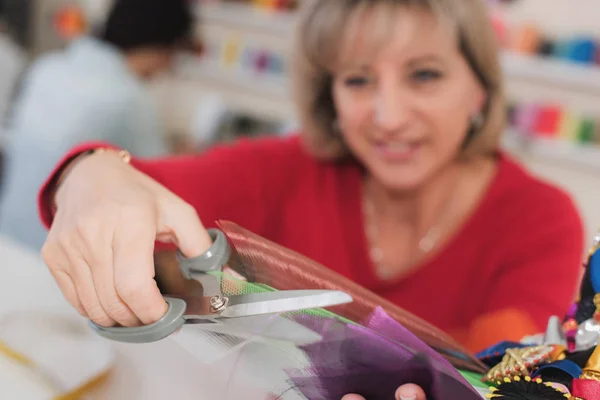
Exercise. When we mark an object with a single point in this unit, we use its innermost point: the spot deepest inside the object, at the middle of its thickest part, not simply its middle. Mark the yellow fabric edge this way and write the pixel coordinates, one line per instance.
(72, 395)
(14, 355)
(85, 388)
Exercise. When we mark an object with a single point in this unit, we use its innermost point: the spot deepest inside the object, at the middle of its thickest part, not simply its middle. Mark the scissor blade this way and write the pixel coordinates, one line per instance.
(282, 301)
(273, 327)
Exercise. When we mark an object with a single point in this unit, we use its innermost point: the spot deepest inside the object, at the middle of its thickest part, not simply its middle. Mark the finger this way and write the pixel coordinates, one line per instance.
(101, 262)
(133, 259)
(352, 397)
(67, 287)
(190, 235)
(84, 285)
(410, 392)
(56, 260)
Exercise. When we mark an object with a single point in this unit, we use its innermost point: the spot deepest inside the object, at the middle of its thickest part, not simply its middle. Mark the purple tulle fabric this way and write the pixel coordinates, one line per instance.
(372, 360)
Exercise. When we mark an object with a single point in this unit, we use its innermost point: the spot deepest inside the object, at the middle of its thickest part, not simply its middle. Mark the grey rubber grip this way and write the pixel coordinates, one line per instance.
(212, 259)
(169, 323)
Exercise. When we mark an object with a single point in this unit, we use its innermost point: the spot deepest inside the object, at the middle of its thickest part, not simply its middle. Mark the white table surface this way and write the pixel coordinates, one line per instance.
(160, 370)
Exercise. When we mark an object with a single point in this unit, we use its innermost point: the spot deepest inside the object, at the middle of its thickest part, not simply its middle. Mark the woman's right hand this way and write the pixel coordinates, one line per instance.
(101, 243)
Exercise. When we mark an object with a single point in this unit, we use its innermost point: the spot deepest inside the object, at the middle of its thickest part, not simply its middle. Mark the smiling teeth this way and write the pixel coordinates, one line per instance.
(397, 146)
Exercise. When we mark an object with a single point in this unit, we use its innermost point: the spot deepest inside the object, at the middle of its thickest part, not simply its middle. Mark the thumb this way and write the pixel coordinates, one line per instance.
(410, 392)
(182, 226)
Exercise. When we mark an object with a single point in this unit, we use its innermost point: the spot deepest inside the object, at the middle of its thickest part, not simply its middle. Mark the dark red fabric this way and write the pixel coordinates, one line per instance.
(521, 248)
(586, 389)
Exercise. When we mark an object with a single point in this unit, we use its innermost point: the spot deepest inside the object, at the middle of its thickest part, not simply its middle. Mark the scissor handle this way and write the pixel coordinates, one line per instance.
(212, 259)
(168, 324)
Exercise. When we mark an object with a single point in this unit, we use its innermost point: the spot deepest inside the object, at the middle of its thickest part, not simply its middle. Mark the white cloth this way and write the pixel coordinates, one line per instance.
(63, 353)
(84, 93)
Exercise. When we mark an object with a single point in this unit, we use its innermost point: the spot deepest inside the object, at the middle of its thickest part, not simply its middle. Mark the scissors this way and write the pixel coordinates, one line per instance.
(214, 307)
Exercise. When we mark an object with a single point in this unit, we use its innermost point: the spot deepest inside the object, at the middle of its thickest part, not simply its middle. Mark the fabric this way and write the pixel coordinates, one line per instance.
(494, 354)
(556, 368)
(371, 356)
(373, 361)
(84, 93)
(520, 248)
(586, 389)
(265, 262)
(59, 349)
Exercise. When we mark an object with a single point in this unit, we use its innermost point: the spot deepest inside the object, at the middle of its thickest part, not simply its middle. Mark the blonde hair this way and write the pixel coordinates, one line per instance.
(320, 34)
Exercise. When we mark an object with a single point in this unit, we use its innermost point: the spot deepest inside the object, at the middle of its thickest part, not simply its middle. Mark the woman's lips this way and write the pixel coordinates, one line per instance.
(398, 151)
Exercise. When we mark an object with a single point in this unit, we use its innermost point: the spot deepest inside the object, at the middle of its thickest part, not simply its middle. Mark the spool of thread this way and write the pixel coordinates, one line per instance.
(568, 126)
(545, 48)
(527, 39)
(582, 51)
(561, 49)
(261, 62)
(586, 130)
(282, 5)
(265, 4)
(547, 120)
(231, 52)
(525, 118)
(276, 64)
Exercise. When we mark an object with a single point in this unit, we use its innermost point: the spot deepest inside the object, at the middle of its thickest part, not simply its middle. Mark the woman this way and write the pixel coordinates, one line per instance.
(93, 90)
(395, 181)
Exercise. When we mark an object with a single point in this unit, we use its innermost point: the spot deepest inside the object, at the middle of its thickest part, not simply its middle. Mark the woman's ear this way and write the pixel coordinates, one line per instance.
(480, 100)
(479, 103)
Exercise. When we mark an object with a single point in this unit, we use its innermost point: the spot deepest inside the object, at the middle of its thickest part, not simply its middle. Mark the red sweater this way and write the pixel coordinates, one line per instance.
(516, 259)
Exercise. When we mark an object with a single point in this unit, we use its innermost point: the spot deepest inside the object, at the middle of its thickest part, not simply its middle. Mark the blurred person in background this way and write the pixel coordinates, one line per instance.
(12, 64)
(396, 181)
(93, 90)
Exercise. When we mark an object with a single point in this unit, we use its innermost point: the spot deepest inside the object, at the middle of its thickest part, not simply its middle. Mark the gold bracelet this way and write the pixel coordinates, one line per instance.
(124, 154)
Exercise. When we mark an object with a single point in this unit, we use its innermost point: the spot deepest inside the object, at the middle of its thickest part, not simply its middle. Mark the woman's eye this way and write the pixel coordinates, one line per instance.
(426, 75)
(356, 81)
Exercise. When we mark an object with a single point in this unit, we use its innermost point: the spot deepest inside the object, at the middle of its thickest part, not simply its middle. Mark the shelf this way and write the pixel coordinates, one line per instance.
(244, 91)
(191, 67)
(534, 69)
(548, 71)
(571, 154)
(244, 16)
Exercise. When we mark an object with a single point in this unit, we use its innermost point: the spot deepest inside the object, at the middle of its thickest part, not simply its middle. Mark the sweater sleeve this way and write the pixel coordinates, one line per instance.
(229, 181)
(46, 192)
(538, 270)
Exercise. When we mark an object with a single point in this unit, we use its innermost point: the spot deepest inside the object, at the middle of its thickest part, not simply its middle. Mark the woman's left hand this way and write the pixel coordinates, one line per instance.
(404, 392)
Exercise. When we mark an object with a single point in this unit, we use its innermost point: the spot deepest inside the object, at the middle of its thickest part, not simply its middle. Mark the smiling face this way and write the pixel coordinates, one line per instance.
(404, 105)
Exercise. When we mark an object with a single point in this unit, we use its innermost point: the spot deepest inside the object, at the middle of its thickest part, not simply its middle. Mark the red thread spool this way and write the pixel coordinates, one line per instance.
(547, 120)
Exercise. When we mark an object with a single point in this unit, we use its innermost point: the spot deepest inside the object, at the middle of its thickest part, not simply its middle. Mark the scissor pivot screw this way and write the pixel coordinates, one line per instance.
(218, 303)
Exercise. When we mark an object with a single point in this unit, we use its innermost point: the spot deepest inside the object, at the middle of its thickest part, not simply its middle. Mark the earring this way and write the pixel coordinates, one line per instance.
(477, 122)
(335, 127)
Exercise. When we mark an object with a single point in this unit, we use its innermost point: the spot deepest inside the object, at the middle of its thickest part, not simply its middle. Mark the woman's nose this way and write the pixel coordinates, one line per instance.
(391, 109)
